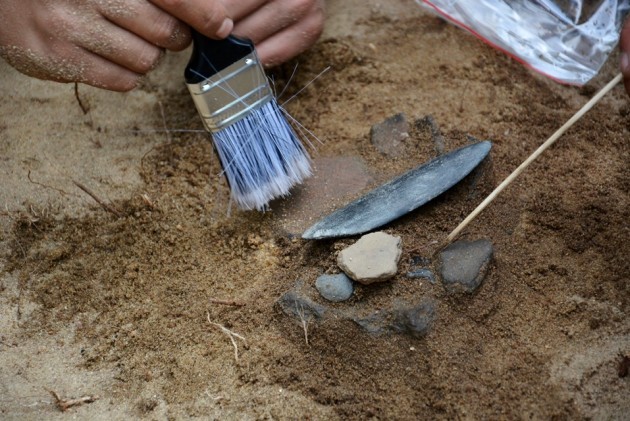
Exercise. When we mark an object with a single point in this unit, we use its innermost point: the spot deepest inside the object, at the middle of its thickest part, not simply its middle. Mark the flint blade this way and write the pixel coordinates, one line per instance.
(400, 195)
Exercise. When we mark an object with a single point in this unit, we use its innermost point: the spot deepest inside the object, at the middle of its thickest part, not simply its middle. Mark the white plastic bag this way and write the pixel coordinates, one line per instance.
(567, 40)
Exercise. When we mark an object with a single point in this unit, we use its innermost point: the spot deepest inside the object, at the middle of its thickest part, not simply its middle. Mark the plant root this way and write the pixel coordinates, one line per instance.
(231, 335)
(104, 205)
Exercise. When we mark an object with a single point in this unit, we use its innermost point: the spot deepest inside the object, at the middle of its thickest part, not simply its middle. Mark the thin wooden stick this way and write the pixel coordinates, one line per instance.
(533, 156)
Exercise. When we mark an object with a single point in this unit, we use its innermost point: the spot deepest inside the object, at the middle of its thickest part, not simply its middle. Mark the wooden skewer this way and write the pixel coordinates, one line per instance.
(533, 156)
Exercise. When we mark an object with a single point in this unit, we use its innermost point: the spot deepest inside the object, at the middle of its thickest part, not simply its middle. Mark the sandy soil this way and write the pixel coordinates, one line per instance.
(118, 306)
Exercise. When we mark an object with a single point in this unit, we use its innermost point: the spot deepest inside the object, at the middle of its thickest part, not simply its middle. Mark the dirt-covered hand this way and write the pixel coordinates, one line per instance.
(105, 43)
(281, 29)
(625, 54)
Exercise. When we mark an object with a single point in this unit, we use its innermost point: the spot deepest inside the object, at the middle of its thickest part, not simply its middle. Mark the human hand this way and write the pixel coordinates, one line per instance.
(625, 54)
(104, 43)
(280, 29)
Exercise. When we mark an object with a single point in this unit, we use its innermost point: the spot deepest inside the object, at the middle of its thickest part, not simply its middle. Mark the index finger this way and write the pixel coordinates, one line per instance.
(208, 17)
(239, 9)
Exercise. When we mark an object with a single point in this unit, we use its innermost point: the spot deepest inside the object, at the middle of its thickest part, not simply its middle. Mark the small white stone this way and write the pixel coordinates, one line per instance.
(374, 258)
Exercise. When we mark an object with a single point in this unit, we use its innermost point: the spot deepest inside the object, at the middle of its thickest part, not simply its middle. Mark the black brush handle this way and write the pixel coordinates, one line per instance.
(210, 56)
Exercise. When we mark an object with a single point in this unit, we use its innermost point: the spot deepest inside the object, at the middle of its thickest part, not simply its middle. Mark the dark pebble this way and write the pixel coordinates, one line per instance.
(464, 265)
(390, 135)
(294, 304)
(415, 319)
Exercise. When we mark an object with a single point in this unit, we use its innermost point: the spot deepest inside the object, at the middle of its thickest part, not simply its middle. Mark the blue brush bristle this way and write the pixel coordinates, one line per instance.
(262, 157)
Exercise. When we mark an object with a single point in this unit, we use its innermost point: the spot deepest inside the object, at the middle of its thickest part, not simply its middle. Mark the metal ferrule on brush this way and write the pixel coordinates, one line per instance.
(231, 94)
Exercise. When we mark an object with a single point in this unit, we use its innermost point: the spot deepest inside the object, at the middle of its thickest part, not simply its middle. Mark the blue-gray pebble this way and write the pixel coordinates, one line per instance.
(334, 288)
(422, 273)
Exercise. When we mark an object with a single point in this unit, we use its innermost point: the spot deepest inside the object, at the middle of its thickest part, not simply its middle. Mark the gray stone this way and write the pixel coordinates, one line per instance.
(464, 265)
(294, 304)
(335, 288)
(414, 320)
(375, 323)
(411, 319)
(390, 135)
(374, 258)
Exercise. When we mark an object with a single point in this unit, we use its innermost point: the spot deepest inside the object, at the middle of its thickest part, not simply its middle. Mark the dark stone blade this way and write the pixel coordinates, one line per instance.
(401, 195)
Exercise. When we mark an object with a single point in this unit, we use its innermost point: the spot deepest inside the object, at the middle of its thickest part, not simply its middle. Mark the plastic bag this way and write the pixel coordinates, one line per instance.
(566, 40)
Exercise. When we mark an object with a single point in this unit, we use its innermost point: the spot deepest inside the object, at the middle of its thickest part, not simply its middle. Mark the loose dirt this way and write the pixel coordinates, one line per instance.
(94, 304)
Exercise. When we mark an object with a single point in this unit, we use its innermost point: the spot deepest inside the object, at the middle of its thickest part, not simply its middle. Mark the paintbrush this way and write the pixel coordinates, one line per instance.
(261, 155)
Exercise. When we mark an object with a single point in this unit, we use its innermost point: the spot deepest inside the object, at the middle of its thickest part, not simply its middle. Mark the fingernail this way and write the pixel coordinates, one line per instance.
(226, 28)
(625, 63)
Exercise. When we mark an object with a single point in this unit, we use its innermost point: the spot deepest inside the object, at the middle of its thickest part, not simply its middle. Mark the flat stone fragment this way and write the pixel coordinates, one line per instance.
(410, 319)
(374, 258)
(419, 268)
(390, 135)
(414, 320)
(294, 304)
(422, 273)
(335, 288)
(464, 265)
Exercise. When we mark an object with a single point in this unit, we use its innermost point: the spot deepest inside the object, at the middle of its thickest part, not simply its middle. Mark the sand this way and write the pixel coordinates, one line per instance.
(124, 304)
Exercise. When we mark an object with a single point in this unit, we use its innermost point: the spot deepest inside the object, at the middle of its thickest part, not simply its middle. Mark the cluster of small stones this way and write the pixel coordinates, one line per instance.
(374, 258)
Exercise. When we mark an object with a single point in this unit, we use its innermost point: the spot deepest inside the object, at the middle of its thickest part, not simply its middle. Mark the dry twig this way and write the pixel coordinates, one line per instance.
(98, 200)
(304, 320)
(65, 404)
(231, 335)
